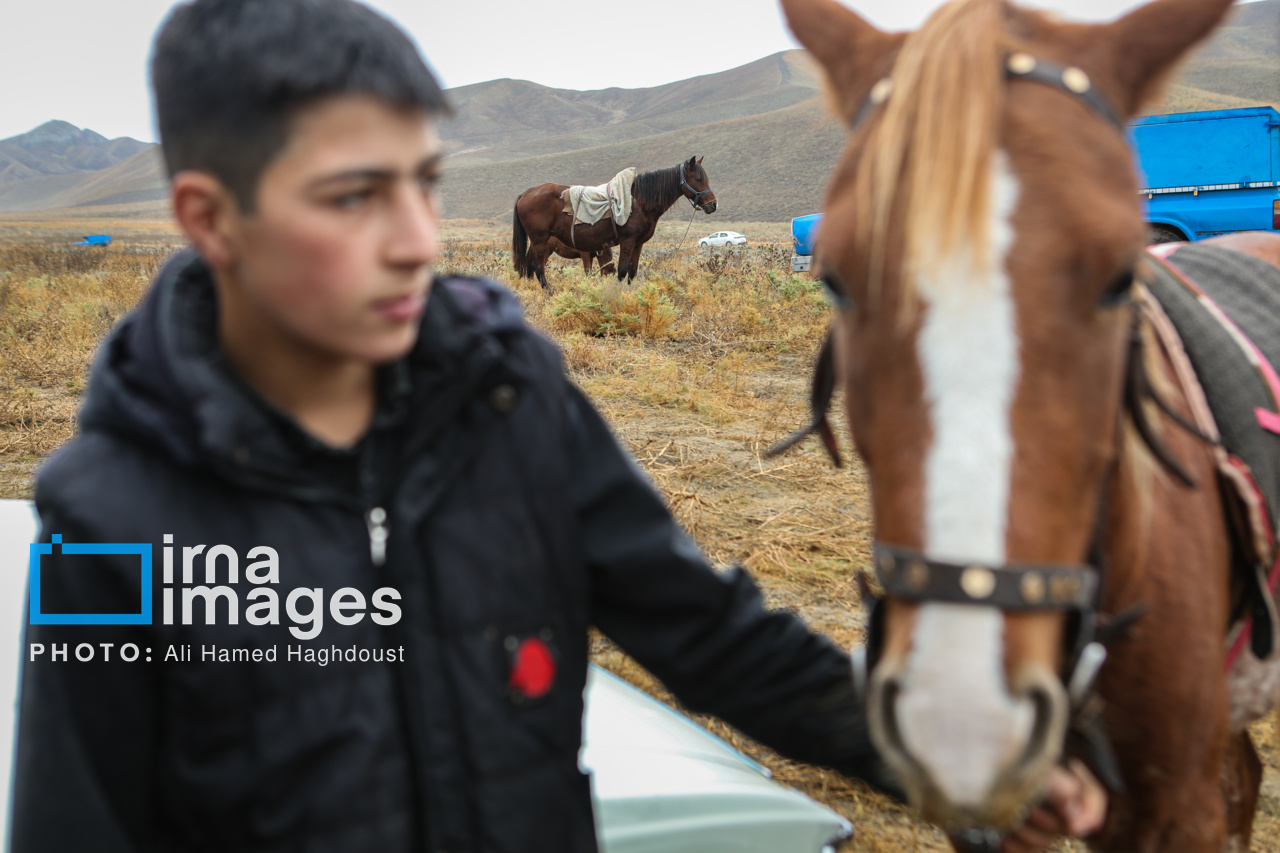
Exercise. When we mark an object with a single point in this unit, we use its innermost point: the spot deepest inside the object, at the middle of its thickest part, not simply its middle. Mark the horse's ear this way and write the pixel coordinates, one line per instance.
(700, 159)
(1148, 41)
(852, 52)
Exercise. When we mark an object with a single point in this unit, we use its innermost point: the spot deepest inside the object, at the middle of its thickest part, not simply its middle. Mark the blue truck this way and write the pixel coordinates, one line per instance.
(1201, 174)
(1210, 173)
(94, 240)
(803, 230)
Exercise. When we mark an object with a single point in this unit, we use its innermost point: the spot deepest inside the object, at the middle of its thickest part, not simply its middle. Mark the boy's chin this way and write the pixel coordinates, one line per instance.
(394, 351)
(385, 349)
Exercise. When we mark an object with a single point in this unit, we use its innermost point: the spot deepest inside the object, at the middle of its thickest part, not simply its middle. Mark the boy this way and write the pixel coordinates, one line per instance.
(337, 455)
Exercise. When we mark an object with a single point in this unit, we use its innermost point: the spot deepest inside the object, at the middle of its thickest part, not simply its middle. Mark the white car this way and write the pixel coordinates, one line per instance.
(724, 238)
(660, 781)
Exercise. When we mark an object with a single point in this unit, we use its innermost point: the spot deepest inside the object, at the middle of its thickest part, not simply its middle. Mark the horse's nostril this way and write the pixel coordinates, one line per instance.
(889, 690)
(1046, 726)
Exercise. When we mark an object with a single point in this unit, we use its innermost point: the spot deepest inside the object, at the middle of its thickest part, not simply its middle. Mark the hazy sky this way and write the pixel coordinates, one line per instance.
(84, 61)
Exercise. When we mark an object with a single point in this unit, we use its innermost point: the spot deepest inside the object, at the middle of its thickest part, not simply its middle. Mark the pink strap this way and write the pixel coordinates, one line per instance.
(1270, 421)
(1164, 250)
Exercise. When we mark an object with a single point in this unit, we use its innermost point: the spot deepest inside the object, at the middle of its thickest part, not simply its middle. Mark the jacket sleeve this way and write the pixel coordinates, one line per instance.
(87, 732)
(705, 634)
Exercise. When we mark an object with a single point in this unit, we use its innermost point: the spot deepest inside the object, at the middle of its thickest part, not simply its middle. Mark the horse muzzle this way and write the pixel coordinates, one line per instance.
(970, 726)
(709, 206)
(969, 764)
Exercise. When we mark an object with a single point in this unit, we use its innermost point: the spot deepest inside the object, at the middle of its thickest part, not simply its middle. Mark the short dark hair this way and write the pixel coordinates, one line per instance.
(230, 75)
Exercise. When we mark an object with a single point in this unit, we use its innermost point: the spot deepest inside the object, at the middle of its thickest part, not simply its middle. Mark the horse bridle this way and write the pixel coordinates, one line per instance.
(911, 575)
(684, 185)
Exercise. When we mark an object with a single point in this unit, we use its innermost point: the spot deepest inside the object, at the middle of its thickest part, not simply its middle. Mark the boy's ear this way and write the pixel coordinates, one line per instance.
(206, 211)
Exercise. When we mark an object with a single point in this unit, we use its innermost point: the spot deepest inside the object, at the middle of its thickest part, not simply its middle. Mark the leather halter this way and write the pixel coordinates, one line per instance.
(1017, 66)
(684, 185)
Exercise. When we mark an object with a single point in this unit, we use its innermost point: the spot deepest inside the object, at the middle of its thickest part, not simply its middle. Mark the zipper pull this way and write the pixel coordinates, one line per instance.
(377, 523)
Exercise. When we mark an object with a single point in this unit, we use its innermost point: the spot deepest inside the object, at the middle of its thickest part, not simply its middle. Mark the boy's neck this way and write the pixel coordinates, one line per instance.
(332, 398)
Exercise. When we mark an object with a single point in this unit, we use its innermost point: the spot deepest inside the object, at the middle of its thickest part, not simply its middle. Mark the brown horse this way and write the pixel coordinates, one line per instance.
(539, 215)
(603, 257)
(984, 246)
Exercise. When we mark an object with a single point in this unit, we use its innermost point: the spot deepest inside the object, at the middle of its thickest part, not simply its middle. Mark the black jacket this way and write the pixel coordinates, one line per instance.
(512, 521)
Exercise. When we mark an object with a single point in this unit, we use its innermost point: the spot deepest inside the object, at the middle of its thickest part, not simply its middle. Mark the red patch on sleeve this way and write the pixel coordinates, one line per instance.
(534, 669)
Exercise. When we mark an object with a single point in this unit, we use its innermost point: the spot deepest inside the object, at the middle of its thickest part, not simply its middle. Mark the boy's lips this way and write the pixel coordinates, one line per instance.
(407, 307)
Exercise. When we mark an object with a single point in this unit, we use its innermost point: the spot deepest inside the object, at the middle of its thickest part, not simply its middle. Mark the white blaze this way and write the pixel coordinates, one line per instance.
(955, 713)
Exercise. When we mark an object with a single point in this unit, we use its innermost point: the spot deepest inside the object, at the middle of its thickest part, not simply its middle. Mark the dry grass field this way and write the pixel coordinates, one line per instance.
(698, 367)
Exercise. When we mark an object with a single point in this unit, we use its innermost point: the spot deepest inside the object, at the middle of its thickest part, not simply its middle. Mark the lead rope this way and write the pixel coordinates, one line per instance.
(692, 213)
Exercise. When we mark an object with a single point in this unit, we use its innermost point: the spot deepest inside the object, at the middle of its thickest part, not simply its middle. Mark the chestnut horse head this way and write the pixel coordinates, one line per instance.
(981, 238)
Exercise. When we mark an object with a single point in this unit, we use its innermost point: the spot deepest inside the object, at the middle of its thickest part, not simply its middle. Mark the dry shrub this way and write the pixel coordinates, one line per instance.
(646, 311)
(56, 304)
(579, 308)
(583, 355)
(766, 306)
(476, 258)
(604, 307)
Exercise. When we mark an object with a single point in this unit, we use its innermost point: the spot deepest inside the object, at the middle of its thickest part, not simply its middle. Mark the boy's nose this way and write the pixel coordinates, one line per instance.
(414, 240)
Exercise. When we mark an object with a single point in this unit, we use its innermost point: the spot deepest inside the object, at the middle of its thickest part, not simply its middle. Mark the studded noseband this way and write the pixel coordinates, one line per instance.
(1034, 586)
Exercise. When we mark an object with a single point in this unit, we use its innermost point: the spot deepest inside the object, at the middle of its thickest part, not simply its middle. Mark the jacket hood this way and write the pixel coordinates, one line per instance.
(161, 379)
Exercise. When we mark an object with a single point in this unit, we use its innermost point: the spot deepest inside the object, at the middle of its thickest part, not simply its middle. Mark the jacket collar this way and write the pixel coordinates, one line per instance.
(162, 379)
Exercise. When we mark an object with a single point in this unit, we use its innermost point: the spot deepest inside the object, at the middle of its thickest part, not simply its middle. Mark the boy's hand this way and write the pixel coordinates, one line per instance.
(1075, 805)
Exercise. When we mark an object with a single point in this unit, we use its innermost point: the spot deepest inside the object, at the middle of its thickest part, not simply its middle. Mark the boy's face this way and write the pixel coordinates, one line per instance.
(337, 257)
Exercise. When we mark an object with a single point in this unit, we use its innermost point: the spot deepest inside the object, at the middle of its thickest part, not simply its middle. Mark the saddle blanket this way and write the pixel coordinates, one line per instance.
(589, 205)
(1226, 308)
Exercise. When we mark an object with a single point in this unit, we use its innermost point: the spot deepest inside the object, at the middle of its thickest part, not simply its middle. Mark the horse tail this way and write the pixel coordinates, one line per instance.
(519, 242)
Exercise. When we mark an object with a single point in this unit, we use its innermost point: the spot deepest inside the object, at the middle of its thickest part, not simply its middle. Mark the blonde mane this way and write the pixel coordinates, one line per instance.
(927, 157)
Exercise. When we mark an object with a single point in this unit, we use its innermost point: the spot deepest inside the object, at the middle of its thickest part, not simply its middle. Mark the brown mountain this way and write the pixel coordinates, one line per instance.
(507, 119)
(1238, 67)
(137, 179)
(60, 148)
(768, 143)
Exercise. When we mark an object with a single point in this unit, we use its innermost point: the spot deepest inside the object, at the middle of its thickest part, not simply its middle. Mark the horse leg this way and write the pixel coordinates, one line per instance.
(519, 242)
(541, 251)
(634, 266)
(586, 263)
(1241, 783)
(624, 259)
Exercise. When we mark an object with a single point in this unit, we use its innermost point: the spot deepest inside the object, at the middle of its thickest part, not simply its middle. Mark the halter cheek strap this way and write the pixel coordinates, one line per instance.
(684, 184)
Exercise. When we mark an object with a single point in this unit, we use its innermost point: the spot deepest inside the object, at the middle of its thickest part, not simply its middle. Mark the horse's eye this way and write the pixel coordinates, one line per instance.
(836, 291)
(1118, 291)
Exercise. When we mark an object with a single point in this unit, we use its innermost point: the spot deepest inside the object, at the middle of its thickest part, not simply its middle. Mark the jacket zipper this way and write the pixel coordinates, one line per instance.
(376, 520)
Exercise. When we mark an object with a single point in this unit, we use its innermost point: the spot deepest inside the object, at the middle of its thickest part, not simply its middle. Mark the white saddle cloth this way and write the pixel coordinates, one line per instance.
(589, 205)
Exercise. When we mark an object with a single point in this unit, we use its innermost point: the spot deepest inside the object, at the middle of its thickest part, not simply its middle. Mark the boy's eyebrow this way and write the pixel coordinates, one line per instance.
(374, 173)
